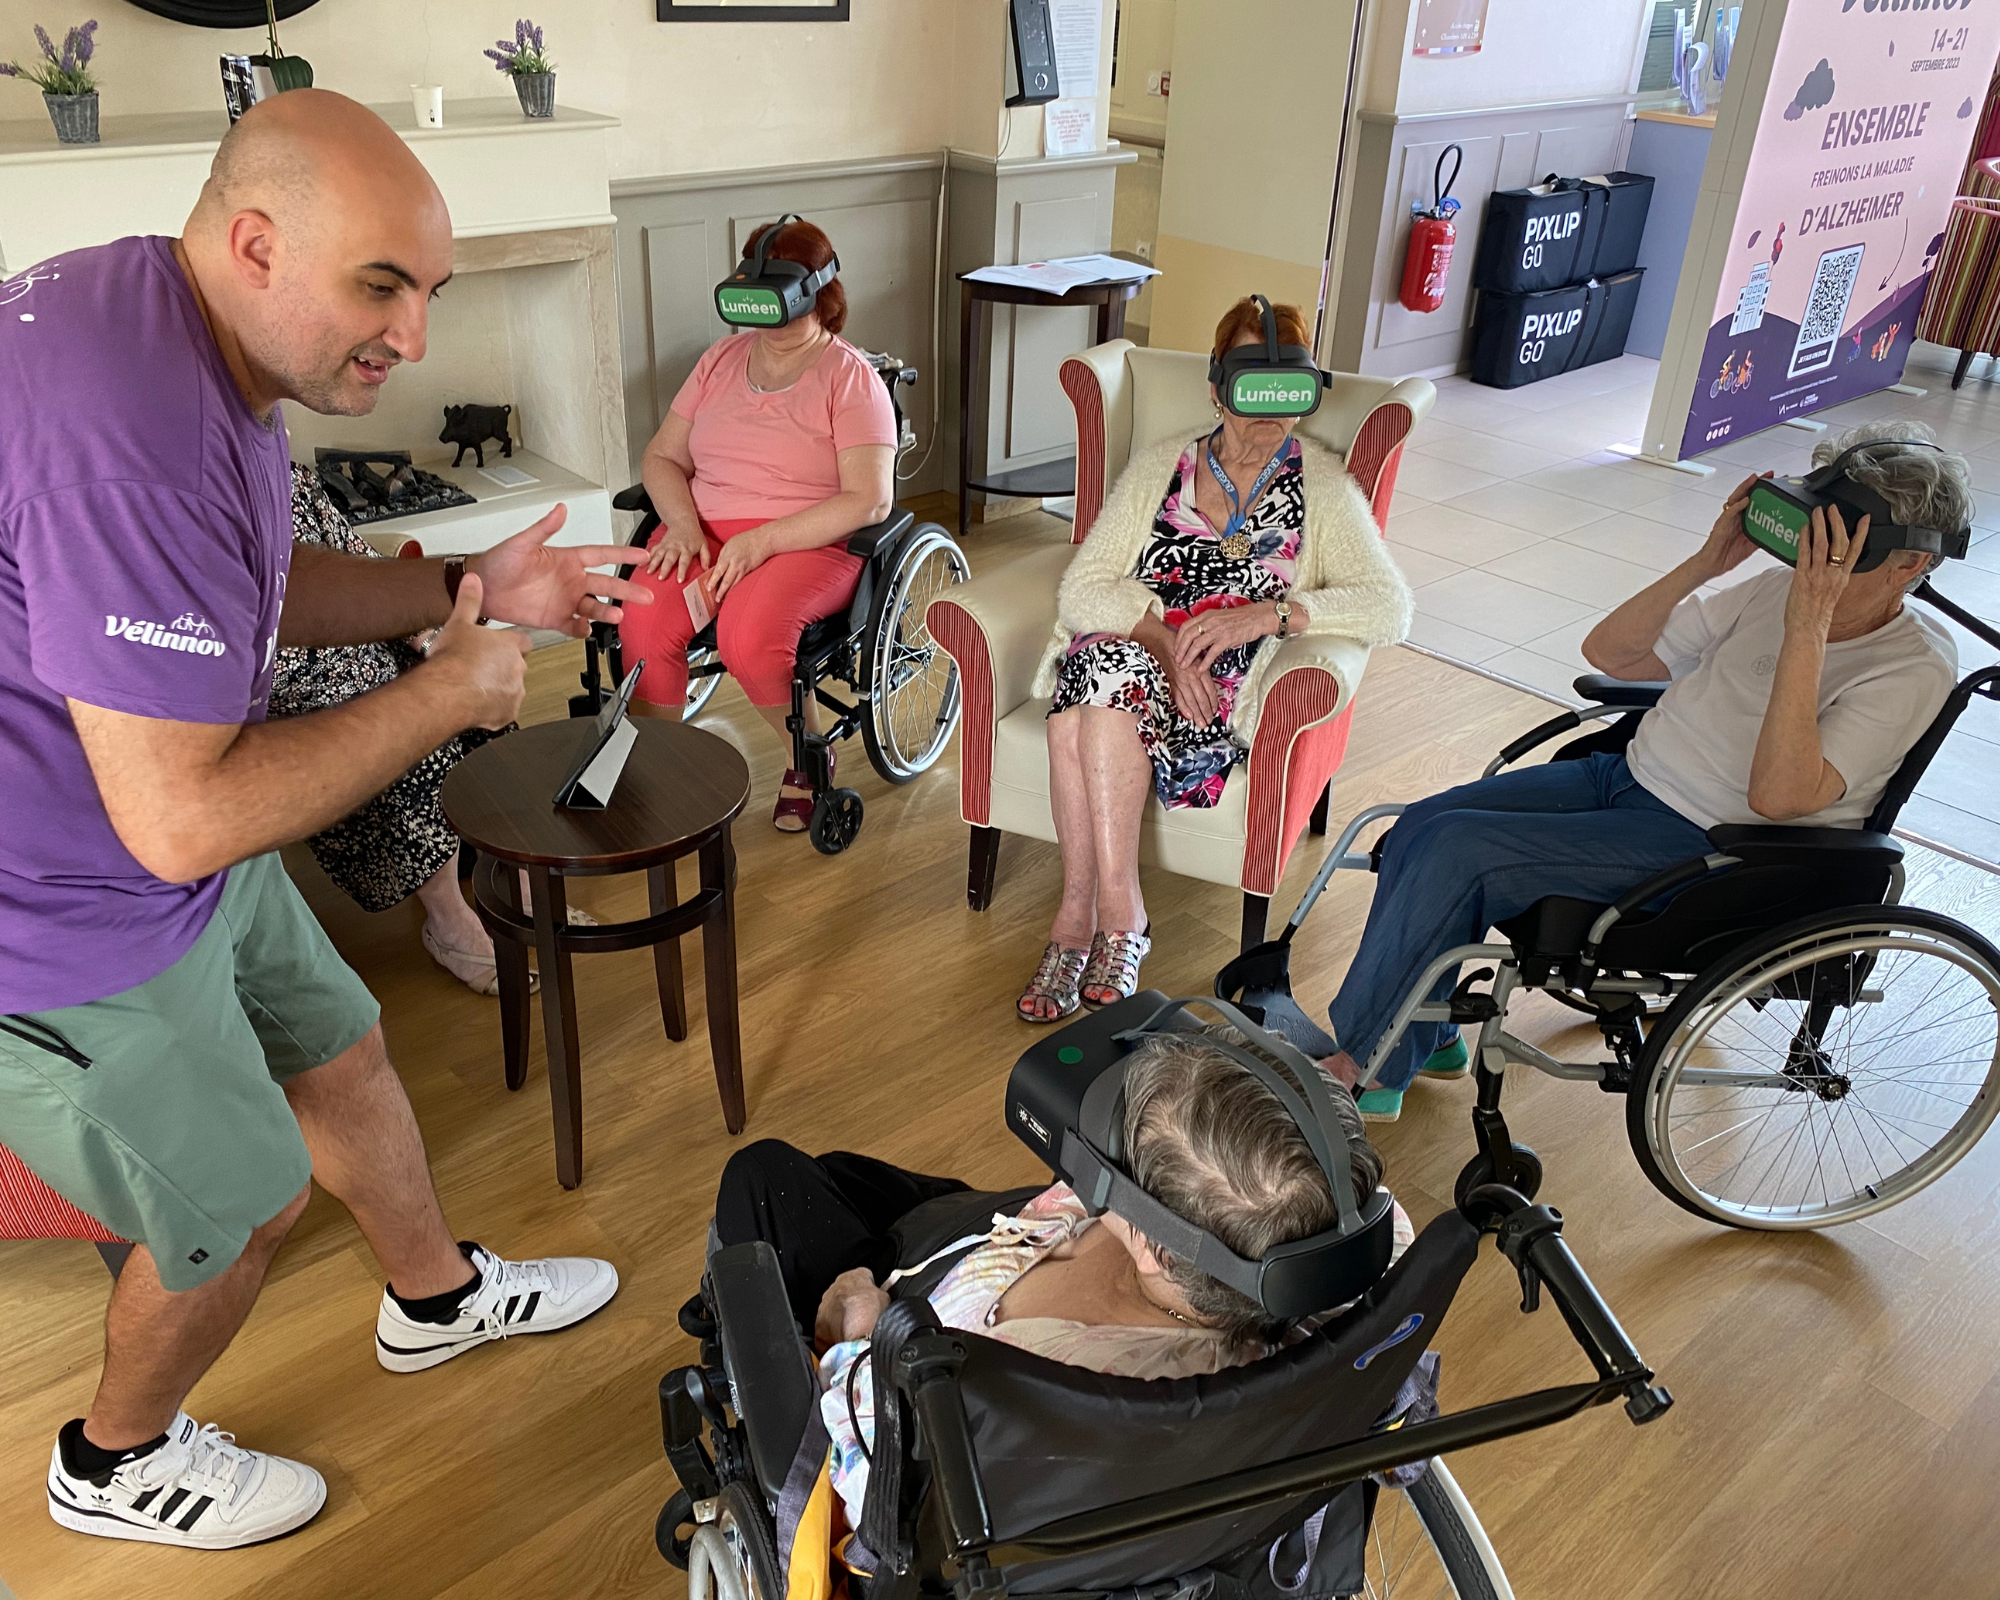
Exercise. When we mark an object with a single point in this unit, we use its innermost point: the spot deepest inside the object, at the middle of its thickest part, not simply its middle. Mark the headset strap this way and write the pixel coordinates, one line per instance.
(764, 239)
(1319, 1126)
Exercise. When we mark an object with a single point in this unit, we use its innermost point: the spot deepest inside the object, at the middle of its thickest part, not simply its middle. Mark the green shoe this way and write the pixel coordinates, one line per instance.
(1448, 1061)
(1380, 1105)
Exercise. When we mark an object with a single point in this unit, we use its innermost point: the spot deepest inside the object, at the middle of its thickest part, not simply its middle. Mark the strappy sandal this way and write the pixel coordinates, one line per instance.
(480, 974)
(1055, 981)
(793, 813)
(1112, 973)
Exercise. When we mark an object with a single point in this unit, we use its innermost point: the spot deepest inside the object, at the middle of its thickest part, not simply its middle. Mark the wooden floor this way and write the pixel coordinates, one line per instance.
(1839, 1394)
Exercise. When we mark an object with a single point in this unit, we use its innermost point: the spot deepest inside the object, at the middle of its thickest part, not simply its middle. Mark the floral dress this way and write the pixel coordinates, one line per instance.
(1185, 565)
(387, 850)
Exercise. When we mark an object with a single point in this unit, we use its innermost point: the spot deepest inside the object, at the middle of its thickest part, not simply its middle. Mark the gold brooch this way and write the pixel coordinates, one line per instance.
(1236, 546)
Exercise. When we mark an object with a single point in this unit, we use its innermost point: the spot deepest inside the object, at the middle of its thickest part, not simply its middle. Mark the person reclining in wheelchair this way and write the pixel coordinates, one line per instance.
(780, 445)
(1795, 695)
(1202, 1136)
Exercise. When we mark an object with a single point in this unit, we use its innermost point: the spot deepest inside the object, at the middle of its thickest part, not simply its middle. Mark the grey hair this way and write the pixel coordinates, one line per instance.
(1924, 488)
(1214, 1145)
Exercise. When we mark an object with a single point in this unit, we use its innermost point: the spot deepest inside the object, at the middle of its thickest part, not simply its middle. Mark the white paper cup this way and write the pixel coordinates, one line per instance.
(427, 101)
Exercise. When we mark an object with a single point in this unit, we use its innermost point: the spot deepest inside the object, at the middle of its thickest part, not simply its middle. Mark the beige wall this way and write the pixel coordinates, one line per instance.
(1244, 209)
(1533, 50)
(902, 76)
(1145, 46)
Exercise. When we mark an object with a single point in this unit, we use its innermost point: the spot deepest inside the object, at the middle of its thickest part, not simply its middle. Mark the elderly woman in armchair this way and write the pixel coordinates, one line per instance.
(1206, 550)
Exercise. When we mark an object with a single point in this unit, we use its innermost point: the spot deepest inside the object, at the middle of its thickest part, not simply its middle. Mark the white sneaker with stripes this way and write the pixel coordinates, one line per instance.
(200, 1490)
(513, 1297)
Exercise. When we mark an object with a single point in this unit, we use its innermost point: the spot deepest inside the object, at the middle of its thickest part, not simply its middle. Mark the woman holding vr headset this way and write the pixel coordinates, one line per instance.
(1795, 695)
(1207, 549)
(779, 447)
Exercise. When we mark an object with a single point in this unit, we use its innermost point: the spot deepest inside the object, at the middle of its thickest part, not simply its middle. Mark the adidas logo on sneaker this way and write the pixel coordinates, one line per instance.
(509, 1298)
(200, 1490)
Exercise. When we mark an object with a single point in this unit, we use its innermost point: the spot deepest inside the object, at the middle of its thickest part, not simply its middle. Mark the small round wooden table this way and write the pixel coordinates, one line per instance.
(680, 790)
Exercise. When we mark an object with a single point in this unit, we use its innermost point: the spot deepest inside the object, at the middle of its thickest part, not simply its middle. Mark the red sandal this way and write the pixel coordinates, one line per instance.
(793, 813)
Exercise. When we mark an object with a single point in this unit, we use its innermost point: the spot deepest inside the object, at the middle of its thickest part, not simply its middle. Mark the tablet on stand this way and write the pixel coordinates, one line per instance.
(612, 735)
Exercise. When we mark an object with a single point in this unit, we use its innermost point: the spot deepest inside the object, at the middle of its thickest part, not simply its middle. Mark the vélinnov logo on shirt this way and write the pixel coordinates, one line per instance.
(188, 633)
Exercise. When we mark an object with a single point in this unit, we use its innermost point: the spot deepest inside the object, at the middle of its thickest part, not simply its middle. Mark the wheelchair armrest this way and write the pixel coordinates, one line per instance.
(773, 1383)
(1776, 841)
(1609, 691)
(633, 499)
(864, 542)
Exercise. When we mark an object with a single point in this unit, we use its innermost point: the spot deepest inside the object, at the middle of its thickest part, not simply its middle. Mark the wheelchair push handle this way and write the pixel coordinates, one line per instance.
(1530, 1236)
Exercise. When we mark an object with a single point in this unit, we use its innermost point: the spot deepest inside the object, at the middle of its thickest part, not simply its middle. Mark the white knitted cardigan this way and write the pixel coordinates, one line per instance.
(1345, 578)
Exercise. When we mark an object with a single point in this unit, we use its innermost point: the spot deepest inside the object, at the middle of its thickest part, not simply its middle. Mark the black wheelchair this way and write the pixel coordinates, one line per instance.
(1311, 1473)
(1796, 1048)
(904, 684)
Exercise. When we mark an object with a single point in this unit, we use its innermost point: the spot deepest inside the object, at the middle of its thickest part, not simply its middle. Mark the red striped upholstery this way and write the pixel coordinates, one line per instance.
(1962, 305)
(1080, 384)
(952, 626)
(30, 1209)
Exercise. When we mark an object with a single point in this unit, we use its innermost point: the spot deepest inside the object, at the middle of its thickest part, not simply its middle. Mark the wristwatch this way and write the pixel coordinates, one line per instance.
(1282, 607)
(454, 575)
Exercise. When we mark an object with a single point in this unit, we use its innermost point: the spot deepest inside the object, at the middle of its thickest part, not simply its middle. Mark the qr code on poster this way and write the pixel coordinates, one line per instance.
(1826, 309)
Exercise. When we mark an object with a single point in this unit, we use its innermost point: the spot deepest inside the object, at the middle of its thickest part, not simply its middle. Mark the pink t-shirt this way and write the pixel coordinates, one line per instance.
(767, 455)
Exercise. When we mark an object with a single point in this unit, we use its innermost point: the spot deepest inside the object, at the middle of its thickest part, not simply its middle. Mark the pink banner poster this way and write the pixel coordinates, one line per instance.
(1864, 132)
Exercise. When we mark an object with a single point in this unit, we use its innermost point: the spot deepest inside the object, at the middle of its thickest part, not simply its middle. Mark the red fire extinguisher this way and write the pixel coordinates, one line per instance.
(1428, 265)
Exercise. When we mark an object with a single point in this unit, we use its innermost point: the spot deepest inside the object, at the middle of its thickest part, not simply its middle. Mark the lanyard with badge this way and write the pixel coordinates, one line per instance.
(1235, 542)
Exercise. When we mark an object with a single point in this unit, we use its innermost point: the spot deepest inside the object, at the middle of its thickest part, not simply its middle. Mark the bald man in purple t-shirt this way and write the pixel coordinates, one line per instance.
(182, 1053)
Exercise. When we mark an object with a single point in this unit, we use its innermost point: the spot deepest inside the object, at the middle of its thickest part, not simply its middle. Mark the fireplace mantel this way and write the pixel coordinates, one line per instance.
(530, 319)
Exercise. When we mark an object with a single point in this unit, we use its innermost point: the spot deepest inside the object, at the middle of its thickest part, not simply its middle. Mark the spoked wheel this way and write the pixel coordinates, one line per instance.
(912, 685)
(701, 690)
(735, 1557)
(836, 819)
(1823, 1072)
(1425, 1543)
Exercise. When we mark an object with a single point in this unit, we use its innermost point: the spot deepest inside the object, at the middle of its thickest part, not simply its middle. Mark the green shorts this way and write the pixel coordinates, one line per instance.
(178, 1134)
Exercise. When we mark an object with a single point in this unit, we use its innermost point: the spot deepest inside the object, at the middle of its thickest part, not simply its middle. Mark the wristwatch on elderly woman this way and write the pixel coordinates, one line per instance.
(1284, 610)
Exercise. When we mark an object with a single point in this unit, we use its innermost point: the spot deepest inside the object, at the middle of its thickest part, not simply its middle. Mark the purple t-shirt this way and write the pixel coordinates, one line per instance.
(145, 534)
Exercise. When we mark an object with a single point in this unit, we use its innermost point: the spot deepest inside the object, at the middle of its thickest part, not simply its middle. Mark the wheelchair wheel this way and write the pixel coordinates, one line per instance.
(1822, 1072)
(700, 690)
(1425, 1543)
(912, 683)
(836, 819)
(735, 1557)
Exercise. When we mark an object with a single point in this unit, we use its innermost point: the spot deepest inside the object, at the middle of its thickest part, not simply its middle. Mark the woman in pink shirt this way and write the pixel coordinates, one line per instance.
(780, 445)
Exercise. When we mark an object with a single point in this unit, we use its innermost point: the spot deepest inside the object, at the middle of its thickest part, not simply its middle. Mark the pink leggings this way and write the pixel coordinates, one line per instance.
(757, 627)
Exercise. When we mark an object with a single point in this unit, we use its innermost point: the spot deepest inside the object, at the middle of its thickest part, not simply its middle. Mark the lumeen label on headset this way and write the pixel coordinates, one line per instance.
(1775, 523)
(1273, 394)
(751, 307)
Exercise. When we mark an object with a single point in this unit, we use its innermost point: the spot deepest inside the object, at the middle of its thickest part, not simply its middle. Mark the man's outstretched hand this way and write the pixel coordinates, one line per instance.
(534, 586)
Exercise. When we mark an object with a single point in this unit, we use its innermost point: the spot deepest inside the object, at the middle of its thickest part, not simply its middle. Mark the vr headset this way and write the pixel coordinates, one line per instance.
(1066, 1102)
(763, 293)
(1268, 380)
(1780, 511)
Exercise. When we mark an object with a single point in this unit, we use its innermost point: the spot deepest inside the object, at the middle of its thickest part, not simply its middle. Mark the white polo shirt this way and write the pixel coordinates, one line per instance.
(1877, 694)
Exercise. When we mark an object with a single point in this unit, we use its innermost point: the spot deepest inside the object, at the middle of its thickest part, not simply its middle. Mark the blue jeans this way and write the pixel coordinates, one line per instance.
(1463, 860)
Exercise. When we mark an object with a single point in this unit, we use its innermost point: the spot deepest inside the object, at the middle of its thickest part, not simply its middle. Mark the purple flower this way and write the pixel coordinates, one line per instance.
(535, 34)
(48, 49)
(520, 32)
(68, 62)
(86, 42)
(500, 62)
(9, 70)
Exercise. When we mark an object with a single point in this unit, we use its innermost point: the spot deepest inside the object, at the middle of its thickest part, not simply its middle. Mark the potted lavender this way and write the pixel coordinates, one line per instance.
(523, 60)
(69, 89)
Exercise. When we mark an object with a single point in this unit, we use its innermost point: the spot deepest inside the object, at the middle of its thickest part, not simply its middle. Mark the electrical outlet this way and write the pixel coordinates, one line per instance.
(1166, 84)
(1143, 249)
(1153, 82)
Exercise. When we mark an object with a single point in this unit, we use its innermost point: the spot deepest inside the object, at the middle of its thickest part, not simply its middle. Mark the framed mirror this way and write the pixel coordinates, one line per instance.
(752, 10)
(220, 13)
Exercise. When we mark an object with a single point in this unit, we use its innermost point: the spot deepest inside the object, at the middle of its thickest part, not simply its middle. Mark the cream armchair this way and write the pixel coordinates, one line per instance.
(997, 626)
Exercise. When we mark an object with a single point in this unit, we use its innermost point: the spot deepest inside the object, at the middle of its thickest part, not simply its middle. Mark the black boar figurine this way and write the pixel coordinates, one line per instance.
(469, 427)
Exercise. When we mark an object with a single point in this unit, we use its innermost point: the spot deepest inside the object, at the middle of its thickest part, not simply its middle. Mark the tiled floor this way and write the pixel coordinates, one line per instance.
(1519, 528)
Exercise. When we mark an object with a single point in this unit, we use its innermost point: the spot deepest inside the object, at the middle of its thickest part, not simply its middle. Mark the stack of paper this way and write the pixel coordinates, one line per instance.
(1059, 277)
